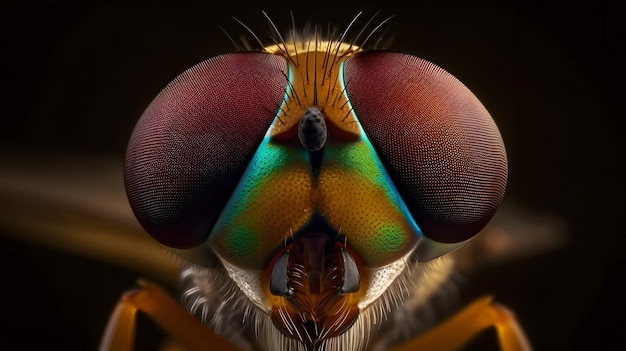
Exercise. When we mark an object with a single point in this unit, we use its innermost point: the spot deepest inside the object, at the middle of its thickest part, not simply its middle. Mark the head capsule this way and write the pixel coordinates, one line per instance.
(313, 172)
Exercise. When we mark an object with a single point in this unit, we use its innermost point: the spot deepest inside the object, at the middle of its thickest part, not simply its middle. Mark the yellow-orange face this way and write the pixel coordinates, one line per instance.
(313, 171)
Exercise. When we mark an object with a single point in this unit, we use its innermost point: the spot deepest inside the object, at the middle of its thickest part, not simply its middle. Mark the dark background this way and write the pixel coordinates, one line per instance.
(76, 76)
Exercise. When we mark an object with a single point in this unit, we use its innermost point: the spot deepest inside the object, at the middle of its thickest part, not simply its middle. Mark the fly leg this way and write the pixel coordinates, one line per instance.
(455, 332)
(167, 313)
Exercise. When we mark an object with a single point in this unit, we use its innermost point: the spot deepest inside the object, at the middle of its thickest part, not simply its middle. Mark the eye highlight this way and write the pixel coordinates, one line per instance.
(438, 142)
(194, 141)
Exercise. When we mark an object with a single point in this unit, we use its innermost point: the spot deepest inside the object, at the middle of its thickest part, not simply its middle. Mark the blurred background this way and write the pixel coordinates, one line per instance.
(77, 76)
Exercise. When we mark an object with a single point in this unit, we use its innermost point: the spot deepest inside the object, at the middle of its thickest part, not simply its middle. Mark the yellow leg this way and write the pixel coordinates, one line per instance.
(167, 313)
(463, 326)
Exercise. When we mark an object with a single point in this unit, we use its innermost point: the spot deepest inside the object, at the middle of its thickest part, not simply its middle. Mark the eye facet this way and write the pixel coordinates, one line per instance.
(194, 141)
(438, 142)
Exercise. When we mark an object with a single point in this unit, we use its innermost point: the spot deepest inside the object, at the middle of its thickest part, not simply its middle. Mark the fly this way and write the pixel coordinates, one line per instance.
(315, 190)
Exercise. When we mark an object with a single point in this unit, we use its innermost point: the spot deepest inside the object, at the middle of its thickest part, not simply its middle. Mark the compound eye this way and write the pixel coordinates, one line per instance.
(440, 145)
(194, 141)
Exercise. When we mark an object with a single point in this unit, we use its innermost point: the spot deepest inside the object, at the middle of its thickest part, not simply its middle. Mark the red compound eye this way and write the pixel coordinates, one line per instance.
(438, 142)
(193, 143)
